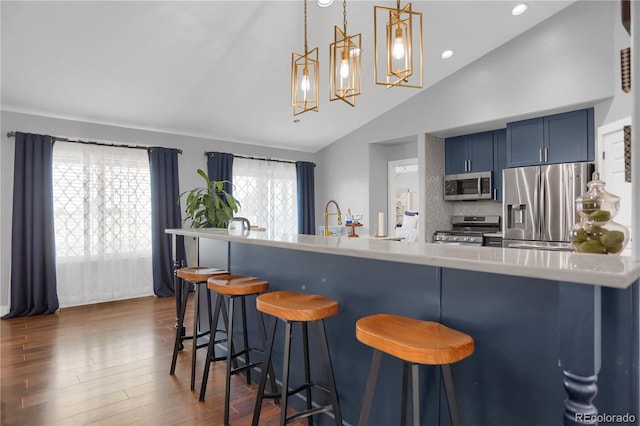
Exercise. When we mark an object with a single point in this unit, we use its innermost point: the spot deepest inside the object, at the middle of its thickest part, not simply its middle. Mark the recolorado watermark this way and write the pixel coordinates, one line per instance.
(589, 418)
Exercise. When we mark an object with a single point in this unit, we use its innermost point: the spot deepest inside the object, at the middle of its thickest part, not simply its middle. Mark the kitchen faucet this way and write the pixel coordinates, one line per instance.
(326, 217)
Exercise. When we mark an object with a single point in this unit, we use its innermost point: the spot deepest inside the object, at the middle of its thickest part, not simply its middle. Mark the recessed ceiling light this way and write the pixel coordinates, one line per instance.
(325, 3)
(519, 9)
(447, 54)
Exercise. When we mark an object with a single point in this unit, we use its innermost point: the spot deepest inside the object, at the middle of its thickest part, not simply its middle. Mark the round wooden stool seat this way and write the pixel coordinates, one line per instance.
(198, 274)
(294, 306)
(237, 285)
(421, 342)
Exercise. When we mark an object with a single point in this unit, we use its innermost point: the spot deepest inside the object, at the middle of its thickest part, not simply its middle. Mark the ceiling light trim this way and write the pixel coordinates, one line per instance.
(446, 54)
(519, 9)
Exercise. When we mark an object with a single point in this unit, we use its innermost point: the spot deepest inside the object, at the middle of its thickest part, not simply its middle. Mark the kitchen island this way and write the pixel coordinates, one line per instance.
(556, 334)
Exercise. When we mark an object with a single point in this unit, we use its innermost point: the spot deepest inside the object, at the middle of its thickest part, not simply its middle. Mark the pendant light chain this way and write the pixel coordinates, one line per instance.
(344, 13)
(306, 50)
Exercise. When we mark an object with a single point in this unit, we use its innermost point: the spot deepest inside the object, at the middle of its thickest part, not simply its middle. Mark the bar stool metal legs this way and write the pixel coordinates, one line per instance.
(330, 388)
(185, 277)
(179, 338)
(220, 309)
(197, 334)
(414, 342)
(235, 287)
(451, 395)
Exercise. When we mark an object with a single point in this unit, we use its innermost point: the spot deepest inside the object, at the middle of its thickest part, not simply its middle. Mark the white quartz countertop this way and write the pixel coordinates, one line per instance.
(591, 269)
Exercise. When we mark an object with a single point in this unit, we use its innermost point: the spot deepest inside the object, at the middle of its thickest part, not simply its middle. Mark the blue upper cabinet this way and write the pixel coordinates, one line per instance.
(456, 154)
(524, 142)
(569, 137)
(469, 153)
(559, 138)
(481, 152)
(499, 161)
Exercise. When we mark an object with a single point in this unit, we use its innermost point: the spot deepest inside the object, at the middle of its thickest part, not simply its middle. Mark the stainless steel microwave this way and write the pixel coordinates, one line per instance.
(468, 186)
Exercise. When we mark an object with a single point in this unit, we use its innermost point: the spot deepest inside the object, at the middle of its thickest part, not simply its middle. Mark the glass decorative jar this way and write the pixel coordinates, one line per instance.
(596, 232)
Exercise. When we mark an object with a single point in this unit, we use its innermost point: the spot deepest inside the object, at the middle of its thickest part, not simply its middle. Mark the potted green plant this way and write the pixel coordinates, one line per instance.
(210, 206)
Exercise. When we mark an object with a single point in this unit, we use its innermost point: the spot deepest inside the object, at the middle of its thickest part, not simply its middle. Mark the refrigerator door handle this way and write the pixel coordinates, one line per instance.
(543, 204)
(537, 197)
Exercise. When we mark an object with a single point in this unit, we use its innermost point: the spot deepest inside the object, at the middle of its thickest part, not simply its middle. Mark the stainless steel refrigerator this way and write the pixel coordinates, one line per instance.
(538, 204)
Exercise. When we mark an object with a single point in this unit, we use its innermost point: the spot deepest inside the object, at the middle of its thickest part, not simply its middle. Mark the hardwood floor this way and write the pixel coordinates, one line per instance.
(108, 364)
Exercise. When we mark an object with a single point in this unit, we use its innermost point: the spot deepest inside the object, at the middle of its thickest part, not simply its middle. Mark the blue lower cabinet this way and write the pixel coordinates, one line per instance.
(537, 342)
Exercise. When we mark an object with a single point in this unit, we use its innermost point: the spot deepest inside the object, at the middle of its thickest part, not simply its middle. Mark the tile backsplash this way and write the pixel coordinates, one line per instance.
(477, 208)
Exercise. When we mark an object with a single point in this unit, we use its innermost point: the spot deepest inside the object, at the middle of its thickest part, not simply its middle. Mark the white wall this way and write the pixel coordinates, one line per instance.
(191, 159)
(619, 106)
(379, 156)
(564, 63)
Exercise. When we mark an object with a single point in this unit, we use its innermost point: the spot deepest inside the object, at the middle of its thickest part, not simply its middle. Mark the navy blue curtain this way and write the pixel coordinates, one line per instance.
(165, 213)
(306, 198)
(33, 247)
(220, 167)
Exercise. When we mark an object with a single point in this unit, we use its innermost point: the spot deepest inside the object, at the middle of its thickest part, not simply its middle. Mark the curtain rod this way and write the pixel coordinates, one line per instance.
(211, 153)
(56, 138)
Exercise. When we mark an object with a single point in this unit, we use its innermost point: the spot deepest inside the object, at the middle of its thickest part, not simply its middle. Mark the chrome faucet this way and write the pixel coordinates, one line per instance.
(326, 217)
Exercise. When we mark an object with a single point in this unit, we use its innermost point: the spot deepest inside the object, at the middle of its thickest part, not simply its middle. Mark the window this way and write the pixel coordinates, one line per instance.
(102, 214)
(267, 191)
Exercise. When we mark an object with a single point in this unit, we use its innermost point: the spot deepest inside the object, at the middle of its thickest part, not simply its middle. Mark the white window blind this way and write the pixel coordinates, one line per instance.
(267, 191)
(102, 214)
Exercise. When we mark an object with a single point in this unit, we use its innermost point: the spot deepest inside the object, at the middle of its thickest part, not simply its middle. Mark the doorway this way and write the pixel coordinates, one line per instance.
(402, 191)
(610, 161)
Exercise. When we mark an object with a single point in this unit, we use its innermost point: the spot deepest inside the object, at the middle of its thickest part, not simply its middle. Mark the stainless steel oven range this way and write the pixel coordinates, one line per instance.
(468, 230)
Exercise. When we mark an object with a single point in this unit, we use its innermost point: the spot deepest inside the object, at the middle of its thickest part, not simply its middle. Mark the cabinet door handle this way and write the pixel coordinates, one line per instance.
(469, 165)
(546, 155)
(465, 166)
(495, 194)
(539, 155)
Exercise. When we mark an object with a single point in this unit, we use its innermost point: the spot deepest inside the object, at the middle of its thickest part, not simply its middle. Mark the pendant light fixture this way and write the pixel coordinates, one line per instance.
(345, 63)
(398, 46)
(304, 77)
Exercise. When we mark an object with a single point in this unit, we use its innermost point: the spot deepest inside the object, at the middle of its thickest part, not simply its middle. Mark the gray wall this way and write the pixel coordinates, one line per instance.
(191, 159)
(566, 62)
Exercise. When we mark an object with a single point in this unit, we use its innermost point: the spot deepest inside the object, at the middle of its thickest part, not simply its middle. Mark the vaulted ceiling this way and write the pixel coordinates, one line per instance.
(221, 69)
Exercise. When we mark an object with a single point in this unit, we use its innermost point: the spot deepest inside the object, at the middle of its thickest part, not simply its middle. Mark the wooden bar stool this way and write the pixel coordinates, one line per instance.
(236, 286)
(197, 275)
(414, 342)
(292, 307)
